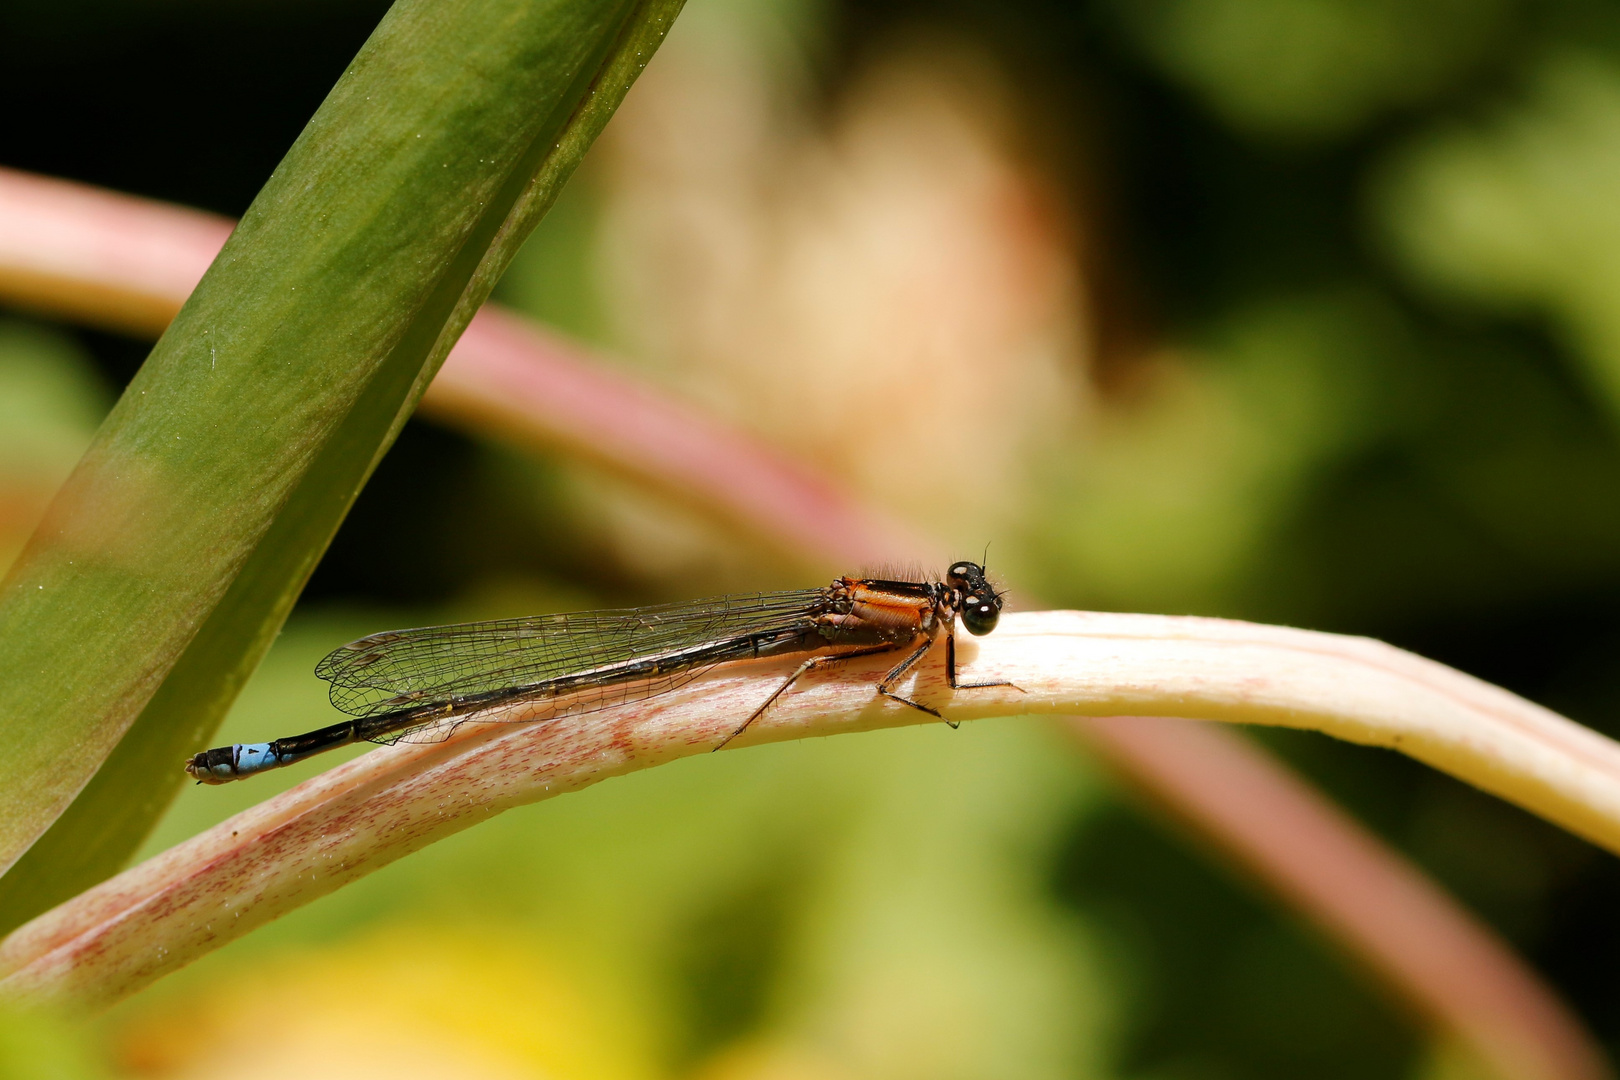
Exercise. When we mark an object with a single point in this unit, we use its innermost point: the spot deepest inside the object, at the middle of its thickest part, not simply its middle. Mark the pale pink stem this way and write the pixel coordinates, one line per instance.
(128, 263)
(109, 259)
(508, 376)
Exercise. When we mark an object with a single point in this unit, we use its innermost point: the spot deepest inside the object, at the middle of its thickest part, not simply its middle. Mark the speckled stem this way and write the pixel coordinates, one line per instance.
(120, 936)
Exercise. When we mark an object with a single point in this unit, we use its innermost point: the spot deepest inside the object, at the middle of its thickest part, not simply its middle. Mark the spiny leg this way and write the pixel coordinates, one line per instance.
(950, 669)
(950, 676)
(900, 669)
(813, 662)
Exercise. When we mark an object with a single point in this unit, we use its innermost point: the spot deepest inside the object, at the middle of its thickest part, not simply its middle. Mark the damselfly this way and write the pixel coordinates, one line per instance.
(421, 685)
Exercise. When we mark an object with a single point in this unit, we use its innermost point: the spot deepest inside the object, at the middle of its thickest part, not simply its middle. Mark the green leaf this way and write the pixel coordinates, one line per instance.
(171, 557)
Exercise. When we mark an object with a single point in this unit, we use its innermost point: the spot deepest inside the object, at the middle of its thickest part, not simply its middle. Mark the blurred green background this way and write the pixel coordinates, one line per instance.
(1305, 311)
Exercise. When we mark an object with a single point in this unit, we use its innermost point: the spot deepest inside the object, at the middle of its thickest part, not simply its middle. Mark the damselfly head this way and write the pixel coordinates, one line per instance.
(981, 604)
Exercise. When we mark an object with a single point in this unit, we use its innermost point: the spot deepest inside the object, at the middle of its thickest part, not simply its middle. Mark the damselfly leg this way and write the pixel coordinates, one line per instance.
(956, 684)
(808, 666)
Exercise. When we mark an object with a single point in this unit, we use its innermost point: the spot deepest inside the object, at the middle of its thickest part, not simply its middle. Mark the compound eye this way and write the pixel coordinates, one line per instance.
(979, 616)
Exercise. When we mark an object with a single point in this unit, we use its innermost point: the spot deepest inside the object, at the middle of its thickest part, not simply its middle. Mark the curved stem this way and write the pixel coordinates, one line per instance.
(360, 816)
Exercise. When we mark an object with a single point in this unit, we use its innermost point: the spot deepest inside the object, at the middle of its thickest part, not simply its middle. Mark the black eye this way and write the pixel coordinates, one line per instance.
(980, 618)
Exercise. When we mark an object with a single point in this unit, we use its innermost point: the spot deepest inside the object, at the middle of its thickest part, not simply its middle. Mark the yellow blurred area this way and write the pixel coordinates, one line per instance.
(403, 1002)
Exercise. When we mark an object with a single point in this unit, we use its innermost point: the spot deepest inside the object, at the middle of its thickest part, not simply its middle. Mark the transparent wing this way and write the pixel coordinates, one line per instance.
(452, 665)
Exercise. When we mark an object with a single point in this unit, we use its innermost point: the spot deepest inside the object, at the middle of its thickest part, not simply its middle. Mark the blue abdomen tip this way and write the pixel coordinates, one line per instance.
(251, 757)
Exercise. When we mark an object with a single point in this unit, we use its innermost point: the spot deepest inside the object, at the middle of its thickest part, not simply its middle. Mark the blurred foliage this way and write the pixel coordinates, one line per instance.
(1225, 979)
(1312, 69)
(36, 1046)
(1515, 211)
(1298, 310)
(1204, 466)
